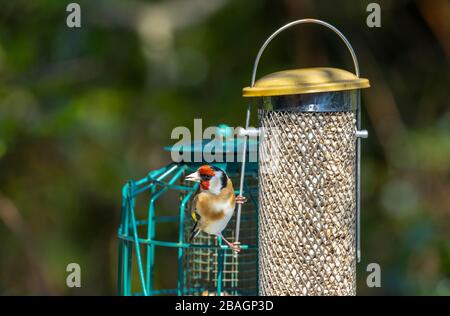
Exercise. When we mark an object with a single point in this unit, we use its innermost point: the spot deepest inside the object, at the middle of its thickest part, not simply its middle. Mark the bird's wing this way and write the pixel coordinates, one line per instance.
(196, 217)
(194, 211)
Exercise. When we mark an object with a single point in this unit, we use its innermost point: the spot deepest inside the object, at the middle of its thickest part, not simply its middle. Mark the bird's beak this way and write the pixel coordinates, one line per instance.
(193, 177)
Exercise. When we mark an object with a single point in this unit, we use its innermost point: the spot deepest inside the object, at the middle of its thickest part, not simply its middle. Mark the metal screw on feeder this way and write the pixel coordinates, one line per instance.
(309, 176)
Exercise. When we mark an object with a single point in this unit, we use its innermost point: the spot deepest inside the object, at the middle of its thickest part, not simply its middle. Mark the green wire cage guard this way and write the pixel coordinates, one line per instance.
(205, 267)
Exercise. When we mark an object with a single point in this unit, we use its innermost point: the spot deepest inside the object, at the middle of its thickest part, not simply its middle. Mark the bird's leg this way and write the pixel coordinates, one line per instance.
(241, 199)
(232, 246)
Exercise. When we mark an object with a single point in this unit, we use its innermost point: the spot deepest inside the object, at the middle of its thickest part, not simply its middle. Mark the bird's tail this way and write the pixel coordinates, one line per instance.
(194, 232)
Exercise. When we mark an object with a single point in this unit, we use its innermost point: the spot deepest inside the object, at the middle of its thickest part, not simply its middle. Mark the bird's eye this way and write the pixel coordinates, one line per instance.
(206, 177)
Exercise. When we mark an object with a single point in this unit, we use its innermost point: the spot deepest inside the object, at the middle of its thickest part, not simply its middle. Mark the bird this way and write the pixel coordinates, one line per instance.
(214, 204)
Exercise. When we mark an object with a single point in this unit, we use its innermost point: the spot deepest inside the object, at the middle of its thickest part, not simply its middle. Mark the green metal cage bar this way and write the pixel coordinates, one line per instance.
(155, 184)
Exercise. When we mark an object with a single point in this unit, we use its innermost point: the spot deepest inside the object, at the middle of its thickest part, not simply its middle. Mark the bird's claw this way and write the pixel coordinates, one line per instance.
(241, 199)
(235, 246)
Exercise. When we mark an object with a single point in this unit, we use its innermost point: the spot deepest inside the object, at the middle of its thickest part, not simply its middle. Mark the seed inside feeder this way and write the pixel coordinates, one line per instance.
(305, 219)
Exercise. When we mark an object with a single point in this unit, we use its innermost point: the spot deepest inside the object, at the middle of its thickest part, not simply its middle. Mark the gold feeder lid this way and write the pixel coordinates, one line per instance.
(305, 80)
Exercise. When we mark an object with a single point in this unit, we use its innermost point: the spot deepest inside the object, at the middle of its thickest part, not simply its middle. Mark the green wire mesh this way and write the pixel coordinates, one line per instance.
(205, 267)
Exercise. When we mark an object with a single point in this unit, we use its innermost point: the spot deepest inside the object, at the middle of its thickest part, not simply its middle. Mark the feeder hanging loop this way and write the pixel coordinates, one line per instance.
(303, 21)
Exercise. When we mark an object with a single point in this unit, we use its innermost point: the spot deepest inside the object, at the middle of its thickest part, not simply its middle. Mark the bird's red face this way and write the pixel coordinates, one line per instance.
(203, 175)
(211, 178)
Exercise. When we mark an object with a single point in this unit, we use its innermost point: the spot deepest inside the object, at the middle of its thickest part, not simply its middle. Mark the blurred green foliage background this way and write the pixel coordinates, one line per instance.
(83, 110)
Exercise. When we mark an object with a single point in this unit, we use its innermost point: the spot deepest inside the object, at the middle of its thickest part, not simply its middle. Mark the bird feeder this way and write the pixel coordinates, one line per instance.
(309, 176)
(205, 267)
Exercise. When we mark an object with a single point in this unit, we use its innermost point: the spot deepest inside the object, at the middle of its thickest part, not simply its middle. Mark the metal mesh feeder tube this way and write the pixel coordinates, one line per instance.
(308, 220)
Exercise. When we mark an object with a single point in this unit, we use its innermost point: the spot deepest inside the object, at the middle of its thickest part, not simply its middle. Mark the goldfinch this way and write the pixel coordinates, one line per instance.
(213, 207)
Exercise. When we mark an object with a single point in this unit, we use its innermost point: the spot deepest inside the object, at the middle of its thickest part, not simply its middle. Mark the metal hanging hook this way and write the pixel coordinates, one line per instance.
(303, 21)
